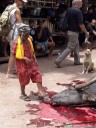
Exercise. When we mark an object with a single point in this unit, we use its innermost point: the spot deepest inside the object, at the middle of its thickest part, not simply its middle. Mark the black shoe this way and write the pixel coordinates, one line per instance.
(57, 63)
(78, 63)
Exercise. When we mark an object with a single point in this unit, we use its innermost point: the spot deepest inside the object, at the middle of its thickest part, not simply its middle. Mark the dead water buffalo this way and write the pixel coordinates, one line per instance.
(78, 95)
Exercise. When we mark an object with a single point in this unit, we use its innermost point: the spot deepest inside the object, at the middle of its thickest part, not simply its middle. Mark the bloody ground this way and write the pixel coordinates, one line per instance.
(15, 113)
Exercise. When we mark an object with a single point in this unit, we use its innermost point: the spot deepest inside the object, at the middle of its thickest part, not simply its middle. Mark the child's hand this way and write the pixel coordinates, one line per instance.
(27, 60)
(36, 62)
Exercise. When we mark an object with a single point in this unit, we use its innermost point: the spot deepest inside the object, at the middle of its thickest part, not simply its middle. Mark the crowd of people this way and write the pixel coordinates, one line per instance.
(25, 40)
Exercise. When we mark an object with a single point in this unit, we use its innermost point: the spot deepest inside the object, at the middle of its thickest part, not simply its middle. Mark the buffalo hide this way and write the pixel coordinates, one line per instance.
(74, 97)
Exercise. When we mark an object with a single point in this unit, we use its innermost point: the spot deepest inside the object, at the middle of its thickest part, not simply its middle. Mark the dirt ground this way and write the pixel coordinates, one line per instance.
(13, 110)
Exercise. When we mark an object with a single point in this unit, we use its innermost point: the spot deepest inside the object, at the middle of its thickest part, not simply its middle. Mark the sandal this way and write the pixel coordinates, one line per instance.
(25, 98)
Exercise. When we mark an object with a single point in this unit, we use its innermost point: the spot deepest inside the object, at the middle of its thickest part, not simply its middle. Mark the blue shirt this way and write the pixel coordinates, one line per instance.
(45, 34)
(75, 18)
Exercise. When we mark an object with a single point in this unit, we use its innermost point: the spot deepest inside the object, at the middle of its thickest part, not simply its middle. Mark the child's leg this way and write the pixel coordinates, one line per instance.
(23, 94)
(40, 88)
(51, 47)
(22, 90)
(42, 94)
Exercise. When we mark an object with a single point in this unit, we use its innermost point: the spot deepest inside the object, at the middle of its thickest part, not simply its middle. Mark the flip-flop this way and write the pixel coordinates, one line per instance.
(25, 98)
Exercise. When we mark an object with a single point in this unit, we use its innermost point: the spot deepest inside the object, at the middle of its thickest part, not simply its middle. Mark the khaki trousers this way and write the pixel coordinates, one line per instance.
(73, 45)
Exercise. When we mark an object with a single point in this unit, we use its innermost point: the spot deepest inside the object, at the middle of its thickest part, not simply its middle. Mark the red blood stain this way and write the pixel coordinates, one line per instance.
(33, 109)
(40, 122)
(79, 116)
(67, 115)
(70, 84)
(79, 81)
(61, 84)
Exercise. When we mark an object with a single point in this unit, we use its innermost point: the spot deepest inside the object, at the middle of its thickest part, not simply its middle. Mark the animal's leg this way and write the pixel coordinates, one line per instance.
(87, 70)
(84, 69)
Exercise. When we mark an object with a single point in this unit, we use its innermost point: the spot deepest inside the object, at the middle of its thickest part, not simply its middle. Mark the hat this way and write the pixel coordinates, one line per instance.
(24, 27)
(25, 1)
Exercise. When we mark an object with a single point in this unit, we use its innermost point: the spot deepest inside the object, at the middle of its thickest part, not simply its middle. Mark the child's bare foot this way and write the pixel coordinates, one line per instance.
(44, 97)
(42, 94)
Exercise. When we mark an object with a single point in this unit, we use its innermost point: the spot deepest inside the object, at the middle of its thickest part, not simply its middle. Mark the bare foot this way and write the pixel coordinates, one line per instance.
(7, 76)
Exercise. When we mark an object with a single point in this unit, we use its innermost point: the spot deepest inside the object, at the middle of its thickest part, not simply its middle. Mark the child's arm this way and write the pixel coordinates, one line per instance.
(26, 59)
(35, 60)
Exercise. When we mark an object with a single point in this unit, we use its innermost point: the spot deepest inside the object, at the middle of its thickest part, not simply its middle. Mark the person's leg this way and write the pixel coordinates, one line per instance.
(13, 36)
(11, 65)
(51, 47)
(42, 94)
(68, 50)
(5, 42)
(72, 54)
(38, 47)
(74, 45)
(62, 56)
(22, 90)
(23, 94)
(36, 77)
(40, 88)
(76, 54)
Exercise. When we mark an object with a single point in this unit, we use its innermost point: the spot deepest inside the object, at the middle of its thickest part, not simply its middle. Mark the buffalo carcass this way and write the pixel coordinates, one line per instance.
(78, 95)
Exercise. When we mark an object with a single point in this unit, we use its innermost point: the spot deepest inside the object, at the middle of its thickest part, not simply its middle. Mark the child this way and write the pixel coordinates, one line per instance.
(26, 63)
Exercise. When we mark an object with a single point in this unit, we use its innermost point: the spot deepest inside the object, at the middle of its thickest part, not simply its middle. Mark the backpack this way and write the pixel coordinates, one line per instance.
(5, 24)
(64, 25)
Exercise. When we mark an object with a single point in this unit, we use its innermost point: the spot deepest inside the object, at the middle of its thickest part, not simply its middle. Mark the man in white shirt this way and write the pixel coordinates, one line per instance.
(16, 20)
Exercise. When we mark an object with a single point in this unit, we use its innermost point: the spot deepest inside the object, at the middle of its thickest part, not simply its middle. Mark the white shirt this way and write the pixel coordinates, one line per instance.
(12, 16)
